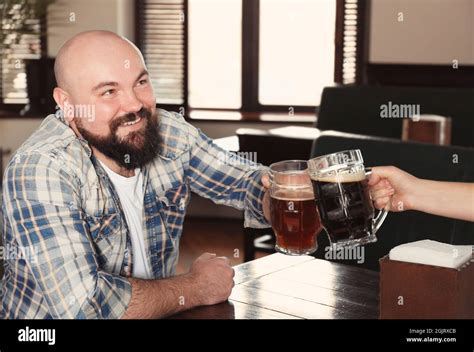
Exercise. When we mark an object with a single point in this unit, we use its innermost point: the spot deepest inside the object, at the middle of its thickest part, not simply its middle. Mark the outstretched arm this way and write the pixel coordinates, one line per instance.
(397, 190)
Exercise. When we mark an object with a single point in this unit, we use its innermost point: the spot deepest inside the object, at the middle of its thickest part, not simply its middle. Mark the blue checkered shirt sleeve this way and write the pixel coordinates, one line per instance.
(226, 178)
(43, 204)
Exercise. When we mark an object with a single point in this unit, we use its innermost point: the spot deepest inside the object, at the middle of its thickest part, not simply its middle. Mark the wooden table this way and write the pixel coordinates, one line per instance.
(285, 287)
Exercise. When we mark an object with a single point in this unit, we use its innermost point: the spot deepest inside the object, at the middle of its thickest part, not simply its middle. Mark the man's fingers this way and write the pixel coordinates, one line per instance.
(225, 259)
(266, 181)
(207, 255)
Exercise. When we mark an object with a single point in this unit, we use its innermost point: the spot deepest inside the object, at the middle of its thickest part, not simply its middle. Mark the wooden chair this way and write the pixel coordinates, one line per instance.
(357, 109)
(432, 129)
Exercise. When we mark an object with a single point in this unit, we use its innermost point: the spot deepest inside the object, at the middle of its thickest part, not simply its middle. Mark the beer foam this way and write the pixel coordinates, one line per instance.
(342, 177)
(294, 196)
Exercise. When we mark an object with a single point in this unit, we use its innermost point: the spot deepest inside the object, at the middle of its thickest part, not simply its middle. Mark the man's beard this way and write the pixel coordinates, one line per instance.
(124, 151)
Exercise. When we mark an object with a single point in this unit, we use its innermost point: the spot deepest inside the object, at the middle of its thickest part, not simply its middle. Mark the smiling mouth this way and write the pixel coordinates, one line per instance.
(131, 123)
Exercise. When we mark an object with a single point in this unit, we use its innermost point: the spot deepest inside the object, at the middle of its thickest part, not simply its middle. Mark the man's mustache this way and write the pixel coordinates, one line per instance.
(143, 113)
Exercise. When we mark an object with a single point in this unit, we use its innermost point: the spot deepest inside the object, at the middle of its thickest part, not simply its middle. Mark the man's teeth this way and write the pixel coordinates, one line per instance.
(131, 122)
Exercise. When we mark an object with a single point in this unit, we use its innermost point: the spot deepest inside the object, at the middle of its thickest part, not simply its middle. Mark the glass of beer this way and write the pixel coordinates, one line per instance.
(294, 216)
(343, 199)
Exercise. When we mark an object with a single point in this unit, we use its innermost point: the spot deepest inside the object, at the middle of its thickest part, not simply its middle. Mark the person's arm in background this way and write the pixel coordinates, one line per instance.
(397, 190)
(43, 209)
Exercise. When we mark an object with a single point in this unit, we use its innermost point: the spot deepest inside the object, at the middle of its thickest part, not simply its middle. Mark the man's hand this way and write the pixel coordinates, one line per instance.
(266, 198)
(213, 278)
(209, 281)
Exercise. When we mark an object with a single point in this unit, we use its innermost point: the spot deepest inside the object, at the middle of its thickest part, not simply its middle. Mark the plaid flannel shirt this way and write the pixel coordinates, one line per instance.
(69, 245)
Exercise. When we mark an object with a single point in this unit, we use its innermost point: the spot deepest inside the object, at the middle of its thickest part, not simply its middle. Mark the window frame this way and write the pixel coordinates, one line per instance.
(250, 64)
(138, 43)
(251, 108)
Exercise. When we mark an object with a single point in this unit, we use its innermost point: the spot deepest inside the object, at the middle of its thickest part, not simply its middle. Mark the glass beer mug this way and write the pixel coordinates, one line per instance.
(341, 190)
(294, 216)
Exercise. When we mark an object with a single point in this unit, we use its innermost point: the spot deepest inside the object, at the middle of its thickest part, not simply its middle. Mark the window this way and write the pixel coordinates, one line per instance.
(215, 51)
(351, 41)
(296, 52)
(20, 40)
(161, 37)
(228, 57)
(237, 55)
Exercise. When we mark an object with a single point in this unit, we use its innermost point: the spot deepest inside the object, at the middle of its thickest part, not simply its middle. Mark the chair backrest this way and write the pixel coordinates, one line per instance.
(444, 163)
(359, 109)
(270, 148)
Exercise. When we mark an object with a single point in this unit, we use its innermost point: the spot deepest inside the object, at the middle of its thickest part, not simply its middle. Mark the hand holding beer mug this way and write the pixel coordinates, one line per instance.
(294, 216)
(343, 199)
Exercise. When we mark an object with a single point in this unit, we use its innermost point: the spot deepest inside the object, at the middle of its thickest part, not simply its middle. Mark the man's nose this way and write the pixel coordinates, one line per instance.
(131, 103)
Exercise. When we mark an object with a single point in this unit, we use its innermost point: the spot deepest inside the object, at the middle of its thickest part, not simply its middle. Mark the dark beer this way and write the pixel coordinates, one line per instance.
(344, 205)
(295, 221)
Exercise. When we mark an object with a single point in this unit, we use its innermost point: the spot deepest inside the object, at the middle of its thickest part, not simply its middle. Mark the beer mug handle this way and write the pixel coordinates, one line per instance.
(379, 219)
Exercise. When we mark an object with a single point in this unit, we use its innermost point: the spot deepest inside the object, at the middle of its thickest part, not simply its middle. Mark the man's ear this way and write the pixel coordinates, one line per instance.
(62, 100)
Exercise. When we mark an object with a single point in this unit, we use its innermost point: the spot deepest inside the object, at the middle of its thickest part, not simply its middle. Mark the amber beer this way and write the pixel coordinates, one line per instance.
(344, 205)
(295, 221)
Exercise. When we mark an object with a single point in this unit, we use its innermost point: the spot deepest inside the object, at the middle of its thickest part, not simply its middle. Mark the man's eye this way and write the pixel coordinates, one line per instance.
(108, 92)
(142, 82)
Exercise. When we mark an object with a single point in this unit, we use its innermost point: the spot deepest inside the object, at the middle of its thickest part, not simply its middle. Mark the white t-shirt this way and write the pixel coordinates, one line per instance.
(130, 192)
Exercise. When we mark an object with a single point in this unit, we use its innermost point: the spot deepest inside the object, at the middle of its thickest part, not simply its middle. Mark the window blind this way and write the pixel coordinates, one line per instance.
(20, 41)
(161, 38)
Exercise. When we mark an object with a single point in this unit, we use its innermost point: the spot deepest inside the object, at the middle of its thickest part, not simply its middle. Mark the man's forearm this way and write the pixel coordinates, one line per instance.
(449, 199)
(159, 298)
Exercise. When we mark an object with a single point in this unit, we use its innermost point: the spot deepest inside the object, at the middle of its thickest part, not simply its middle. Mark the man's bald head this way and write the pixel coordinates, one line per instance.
(86, 49)
(105, 74)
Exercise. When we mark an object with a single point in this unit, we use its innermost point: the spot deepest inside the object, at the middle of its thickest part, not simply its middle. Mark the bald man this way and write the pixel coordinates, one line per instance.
(94, 200)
